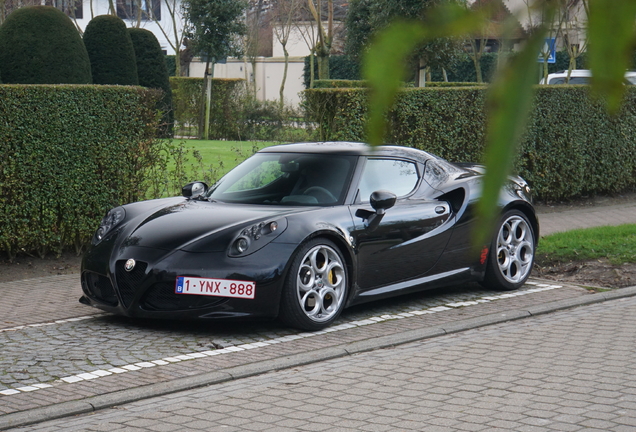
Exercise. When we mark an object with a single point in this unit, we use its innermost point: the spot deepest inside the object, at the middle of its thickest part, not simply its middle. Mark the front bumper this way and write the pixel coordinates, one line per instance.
(148, 290)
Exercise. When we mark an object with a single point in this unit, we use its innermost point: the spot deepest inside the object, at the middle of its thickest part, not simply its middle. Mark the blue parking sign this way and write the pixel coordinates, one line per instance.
(549, 47)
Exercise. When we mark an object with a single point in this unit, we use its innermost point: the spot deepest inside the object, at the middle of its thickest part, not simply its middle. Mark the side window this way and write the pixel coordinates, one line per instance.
(399, 177)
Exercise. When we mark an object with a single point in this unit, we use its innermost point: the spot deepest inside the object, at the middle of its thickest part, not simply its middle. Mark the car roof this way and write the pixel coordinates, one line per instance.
(576, 73)
(349, 148)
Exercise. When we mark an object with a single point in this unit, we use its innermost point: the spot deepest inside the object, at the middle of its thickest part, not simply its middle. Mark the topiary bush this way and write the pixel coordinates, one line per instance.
(40, 45)
(152, 73)
(111, 51)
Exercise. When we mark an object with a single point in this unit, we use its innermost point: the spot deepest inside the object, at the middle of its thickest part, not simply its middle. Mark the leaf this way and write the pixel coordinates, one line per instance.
(611, 34)
(384, 68)
(508, 105)
(384, 63)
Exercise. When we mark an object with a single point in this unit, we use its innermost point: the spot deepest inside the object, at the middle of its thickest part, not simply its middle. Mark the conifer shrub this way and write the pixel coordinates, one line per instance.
(152, 73)
(40, 45)
(111, 51)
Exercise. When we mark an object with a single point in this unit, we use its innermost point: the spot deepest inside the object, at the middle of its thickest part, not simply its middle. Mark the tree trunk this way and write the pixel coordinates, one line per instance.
(476, 56)
(252, 81)
(323, 65)
(203, 107)
(177, 63)
(311, 69)
(282, 83)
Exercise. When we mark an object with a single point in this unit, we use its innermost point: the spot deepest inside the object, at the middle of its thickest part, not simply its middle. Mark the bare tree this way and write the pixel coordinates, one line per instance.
(176, 35)
(284, 14)
(574, 26)
(307, 30)
(253, 17)
(8, 6)
(322, 48)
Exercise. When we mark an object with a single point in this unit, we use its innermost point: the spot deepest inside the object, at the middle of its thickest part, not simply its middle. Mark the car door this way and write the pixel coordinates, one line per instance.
(411, 235)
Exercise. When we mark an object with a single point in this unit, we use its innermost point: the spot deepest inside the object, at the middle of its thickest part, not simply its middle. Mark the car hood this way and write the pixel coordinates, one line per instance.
(179, 225)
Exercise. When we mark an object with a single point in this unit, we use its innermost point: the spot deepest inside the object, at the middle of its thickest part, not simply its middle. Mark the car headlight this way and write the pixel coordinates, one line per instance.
(254, 237)
(110, 221)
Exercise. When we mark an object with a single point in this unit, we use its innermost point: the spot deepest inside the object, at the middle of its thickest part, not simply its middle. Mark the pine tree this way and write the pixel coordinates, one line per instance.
(152, 72)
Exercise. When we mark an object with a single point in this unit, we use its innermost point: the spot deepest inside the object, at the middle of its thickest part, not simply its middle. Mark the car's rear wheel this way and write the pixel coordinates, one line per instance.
(316, 286)
(511, 254)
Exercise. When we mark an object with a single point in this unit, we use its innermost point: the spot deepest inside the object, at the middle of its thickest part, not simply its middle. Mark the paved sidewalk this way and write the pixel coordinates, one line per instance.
(59, 358)
(565, 219)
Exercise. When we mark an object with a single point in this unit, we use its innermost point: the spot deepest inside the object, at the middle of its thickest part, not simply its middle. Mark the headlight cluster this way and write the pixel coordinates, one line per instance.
(256, 236)
(110, 221)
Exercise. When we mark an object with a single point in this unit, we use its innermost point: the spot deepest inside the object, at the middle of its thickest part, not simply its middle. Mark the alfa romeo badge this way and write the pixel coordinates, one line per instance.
(130, 264)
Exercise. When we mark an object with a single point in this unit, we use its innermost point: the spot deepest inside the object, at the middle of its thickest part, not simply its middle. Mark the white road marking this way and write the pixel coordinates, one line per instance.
(254, 345)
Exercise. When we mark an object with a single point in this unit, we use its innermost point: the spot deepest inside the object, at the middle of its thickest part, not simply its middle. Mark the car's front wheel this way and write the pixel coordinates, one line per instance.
(316, 286)
(511, 254)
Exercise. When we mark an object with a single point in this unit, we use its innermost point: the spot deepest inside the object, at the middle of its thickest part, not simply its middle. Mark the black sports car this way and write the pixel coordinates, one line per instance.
(301, 231)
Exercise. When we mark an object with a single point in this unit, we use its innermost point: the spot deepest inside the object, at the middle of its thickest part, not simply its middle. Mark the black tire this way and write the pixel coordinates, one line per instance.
(511, 253)
(315, 290)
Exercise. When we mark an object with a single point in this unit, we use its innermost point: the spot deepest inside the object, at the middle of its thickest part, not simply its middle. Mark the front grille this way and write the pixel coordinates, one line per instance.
(161, 296)
(128, 281)
(100, 288)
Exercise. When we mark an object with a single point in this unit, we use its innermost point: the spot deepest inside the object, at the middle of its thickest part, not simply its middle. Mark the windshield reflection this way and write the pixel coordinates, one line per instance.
(287, 179)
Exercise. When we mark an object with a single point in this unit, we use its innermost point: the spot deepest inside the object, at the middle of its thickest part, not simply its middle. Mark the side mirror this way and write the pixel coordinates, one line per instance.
(194, 189)
(382, 200)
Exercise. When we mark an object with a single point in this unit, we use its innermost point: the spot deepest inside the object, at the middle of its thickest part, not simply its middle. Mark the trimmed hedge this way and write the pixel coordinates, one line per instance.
(341, 67)
(187, 98)
(224, 112)
(152, 73)
(40, 45)
(337, 83)
(571, 146)
(111, 51)
(87, 150)
(340, 83)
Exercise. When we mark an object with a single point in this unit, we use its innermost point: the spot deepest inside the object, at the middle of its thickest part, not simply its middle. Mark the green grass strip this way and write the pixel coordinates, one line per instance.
(614, 243)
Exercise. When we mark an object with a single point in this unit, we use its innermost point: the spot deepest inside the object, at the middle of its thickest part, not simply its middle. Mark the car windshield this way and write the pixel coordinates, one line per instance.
(287, 179)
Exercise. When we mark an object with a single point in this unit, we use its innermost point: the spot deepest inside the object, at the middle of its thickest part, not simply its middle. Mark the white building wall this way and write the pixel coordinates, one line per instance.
(296, 44)
(100, 7)
(268, 76)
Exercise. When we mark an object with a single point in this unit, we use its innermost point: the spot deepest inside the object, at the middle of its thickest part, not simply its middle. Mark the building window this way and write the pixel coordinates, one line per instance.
(146, 10)
(72, 8)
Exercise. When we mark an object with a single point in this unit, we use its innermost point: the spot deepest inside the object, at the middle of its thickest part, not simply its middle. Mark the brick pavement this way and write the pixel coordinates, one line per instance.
(568, 371)
(56, 355)
(63, 338)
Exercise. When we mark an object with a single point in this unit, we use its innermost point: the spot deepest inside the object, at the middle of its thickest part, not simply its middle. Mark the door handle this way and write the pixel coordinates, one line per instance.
(440, 209)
